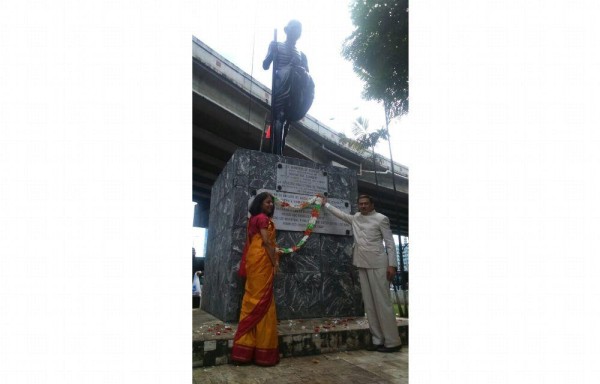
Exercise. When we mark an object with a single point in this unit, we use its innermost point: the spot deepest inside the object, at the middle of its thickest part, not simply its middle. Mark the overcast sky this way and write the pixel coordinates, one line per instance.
(241, 32)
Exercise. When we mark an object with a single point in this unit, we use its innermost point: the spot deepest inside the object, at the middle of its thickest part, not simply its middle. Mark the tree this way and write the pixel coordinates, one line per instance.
(365, 140)
(378, 50)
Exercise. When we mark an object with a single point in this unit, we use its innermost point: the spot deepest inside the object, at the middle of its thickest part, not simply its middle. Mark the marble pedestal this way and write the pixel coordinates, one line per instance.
(318, 281)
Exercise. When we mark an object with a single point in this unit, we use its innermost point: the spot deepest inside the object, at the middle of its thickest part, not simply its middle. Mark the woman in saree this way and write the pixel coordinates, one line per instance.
(256, 336)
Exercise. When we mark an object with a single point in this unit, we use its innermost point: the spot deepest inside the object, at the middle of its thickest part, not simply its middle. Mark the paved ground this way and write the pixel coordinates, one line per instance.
(344, 367)
(207, 327)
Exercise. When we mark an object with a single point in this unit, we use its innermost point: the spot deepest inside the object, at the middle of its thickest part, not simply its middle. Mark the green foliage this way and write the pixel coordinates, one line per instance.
(352, 143)
(364, 140)
(378, 50)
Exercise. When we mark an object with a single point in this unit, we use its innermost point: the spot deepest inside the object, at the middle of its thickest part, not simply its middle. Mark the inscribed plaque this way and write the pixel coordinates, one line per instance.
(303, 180)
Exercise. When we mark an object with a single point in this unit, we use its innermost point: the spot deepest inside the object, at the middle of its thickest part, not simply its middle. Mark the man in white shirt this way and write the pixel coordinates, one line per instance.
(376, 269)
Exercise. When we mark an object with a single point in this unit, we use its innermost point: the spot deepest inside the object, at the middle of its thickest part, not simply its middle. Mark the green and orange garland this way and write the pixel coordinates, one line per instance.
(314, 202)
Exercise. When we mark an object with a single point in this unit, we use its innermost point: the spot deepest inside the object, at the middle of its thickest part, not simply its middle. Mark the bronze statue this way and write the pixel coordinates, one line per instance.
(293, 88)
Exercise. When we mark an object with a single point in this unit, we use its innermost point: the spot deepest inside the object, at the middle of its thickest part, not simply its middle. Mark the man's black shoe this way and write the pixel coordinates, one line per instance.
(388, 349)
(374, 347)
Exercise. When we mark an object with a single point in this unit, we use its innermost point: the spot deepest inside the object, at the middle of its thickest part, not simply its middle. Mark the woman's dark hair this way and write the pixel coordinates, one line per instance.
(256, 206)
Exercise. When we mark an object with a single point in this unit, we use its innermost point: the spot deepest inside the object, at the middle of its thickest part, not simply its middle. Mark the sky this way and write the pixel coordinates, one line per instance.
(241, 32)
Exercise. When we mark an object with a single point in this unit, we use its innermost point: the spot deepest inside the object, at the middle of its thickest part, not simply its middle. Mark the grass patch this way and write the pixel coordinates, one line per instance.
(397, 311)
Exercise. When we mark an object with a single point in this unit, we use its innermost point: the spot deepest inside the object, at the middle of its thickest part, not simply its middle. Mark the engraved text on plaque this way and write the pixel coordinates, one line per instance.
(296, 220)
(303, 180)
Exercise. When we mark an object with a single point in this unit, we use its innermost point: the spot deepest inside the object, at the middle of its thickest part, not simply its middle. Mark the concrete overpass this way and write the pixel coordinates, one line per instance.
(229, 112)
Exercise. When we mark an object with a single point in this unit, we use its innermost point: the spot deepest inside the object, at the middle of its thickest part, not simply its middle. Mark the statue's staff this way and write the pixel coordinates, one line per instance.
(272, 127)
(268, 128)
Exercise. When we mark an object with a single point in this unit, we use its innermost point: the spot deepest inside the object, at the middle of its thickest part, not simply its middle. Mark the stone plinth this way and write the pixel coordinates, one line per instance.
(318, 281)
(212, 339)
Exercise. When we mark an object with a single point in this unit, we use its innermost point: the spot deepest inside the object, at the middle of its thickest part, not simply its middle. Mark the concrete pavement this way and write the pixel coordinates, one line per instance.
(348, 367)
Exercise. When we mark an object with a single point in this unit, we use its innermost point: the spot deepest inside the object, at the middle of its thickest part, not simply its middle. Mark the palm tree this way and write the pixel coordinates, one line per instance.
(365, 140)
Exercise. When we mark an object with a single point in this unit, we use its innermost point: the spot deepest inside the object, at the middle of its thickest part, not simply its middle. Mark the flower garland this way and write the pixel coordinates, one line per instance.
(315, 202)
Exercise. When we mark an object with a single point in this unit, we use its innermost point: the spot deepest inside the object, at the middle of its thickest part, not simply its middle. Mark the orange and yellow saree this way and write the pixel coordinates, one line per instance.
(256, 336)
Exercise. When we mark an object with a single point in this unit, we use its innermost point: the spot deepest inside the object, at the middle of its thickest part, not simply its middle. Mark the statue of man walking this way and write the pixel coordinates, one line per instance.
(293, 88)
